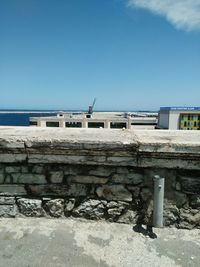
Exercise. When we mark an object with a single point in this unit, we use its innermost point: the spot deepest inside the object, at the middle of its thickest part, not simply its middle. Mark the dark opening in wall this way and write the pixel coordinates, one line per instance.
(33, 123)
(118, 125)
(52, 123)
(95, 124)
(73, 124)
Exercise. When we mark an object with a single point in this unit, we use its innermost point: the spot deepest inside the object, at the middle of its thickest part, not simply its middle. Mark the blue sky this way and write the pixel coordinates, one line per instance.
(129, 54)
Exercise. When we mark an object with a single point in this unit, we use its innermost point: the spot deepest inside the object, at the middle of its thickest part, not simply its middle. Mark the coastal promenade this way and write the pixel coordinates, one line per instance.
(80, 243)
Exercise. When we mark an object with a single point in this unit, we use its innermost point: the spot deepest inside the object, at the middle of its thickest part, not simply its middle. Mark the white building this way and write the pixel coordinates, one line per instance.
(109, 120)
(179, 118)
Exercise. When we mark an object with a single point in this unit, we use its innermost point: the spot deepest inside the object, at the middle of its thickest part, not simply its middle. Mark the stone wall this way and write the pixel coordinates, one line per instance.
(99, 174)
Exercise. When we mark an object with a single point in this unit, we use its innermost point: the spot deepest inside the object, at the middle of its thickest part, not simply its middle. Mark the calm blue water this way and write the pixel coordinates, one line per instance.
(19, 119)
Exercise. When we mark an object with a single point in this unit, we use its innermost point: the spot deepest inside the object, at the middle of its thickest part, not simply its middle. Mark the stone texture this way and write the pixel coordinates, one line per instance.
(188, 219)
(130, 178)
(12, 169)
(2, 177)
(56, 177)
(24, 169)
(146, 194)
(180, 199)
(171, 214)
(87, 179)
(8, 210)
(134, 190)
(190, 184)
(30, 207)
(38, 169)
(12, 158)
(128, 217)
(7, 200)
(102, 171)
(114, 192)
(12, 190)
(69, 204)
(122, 170)
(195, 201)
(28, 178)
(73, 190)
(55, 207)
(91, 209)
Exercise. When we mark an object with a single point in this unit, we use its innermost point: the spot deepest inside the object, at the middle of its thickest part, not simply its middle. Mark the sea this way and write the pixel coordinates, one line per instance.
(21, 117)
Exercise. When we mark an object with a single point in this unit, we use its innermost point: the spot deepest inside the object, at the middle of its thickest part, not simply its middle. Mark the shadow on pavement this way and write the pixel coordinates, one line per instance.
(148, 231)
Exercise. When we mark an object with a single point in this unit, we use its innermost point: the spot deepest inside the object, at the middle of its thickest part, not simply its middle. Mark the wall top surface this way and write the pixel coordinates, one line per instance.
(17, 135)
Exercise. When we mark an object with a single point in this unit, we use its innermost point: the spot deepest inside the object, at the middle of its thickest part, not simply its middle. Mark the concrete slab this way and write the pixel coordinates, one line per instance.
(75, 243)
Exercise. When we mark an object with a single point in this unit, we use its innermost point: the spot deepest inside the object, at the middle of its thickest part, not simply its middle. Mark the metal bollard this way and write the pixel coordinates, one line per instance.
(158, 201)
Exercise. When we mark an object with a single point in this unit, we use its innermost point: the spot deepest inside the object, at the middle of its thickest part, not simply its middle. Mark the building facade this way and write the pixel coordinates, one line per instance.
(108, 120)
(179, 118)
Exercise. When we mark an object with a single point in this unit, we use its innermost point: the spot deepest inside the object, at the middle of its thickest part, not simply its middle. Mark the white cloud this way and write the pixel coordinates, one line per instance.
(183, 14)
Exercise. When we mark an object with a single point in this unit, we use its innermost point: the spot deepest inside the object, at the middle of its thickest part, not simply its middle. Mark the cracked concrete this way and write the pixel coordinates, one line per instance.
(79, 243)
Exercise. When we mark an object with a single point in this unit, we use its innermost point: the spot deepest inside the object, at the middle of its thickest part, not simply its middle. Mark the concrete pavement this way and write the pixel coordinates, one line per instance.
(79, 243)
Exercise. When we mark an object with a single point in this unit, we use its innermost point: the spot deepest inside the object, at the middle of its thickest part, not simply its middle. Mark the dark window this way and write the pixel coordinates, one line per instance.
(185, 124)
(95, 124)
(52, 123)
(117, 125)
(199, 117)
(33, 123)
(188, 117)
(195, 124)
(73, 124)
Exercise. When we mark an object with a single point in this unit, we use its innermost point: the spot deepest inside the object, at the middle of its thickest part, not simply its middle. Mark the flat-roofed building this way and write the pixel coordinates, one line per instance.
(179, 118)
(109, 120)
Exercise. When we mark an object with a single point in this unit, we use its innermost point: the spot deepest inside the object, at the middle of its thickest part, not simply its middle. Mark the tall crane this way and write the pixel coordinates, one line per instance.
(90, 110)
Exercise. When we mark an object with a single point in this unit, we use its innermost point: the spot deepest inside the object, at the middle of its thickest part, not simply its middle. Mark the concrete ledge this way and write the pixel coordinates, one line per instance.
(156, 148)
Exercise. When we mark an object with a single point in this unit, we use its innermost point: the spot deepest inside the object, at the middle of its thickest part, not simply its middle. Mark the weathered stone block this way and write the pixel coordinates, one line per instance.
(11, 169)
(7, 200)
(180, 199)
(13, 190)
(102, 171)
(171, 214)
(134, 190)
(189, 220)
(129, 217)
(195, 201)
(2, 178)
(9, 158)
(73, 190)
(30, 207)
(122, 170)
(92, 209)
(130, 178)
(190, 184)
(39, 169)
(8, 210)
(56, 177)
(87, 179)
(69, 204)
(114, 192)
(122, 161)
(55, 207)
(28, 178)
(146, 194)
(24, 169)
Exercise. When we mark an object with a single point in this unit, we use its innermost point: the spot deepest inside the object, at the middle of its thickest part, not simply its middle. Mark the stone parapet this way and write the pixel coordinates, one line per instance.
(99, 174)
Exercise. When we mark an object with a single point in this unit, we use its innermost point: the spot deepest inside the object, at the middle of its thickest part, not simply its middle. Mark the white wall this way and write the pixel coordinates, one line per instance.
(174, 120)
(163, 119)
